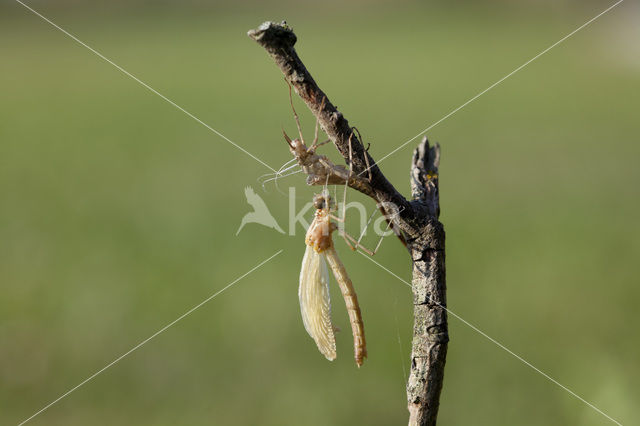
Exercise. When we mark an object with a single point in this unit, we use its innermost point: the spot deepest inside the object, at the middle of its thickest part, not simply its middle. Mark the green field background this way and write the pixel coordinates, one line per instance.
(118, 212)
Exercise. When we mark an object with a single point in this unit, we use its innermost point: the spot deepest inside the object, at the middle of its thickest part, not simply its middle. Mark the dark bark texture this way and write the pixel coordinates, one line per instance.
(416, 220)
(430, 331)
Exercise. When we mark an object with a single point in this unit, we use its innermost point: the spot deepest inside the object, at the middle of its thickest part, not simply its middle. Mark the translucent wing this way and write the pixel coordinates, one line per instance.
(315, 303)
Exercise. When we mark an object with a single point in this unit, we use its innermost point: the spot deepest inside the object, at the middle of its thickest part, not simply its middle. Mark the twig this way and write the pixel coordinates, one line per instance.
(416, 219)
(430, 331)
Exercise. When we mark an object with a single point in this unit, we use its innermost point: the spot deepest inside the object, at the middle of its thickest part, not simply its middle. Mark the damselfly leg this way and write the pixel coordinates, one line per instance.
(353, 243)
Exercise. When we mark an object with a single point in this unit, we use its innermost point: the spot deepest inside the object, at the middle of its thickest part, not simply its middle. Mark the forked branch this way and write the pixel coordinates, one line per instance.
(417, 219)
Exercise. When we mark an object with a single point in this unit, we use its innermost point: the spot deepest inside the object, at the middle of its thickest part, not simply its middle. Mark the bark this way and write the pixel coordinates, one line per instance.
(430, 331)
(417, 220)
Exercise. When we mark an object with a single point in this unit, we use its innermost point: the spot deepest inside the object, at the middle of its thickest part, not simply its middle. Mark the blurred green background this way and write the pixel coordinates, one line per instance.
(118, 212)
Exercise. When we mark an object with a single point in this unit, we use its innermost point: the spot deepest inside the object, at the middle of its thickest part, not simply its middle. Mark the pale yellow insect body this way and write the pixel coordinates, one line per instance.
(315, 302)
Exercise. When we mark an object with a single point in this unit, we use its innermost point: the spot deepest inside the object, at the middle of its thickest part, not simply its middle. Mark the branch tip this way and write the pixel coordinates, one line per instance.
(273, 34)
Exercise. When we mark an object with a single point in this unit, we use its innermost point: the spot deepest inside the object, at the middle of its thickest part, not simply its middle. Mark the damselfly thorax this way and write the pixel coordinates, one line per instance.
(315, 302)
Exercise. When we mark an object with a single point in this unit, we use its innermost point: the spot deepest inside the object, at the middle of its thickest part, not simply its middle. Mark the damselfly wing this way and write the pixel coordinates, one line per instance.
(315, 303)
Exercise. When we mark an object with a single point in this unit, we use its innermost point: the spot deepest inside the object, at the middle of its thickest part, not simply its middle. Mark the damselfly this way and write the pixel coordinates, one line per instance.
(315, 302)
